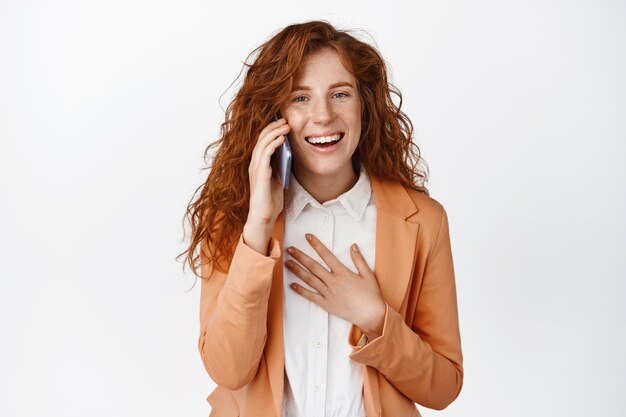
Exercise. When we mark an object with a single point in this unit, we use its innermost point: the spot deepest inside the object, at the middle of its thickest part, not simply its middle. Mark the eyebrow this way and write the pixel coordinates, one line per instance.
(335, 85)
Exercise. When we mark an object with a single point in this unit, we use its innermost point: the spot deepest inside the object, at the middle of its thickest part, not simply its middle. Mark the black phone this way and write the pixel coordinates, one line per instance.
(282, 158)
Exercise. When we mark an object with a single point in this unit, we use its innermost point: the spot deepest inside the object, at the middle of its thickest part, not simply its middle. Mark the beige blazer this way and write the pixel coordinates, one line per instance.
(418, 357)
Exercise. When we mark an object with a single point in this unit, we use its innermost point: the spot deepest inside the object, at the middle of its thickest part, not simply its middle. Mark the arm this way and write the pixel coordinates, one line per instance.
(424, 360)
(233, 315)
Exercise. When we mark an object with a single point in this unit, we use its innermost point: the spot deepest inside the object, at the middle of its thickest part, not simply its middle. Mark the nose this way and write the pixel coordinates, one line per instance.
(322, 112)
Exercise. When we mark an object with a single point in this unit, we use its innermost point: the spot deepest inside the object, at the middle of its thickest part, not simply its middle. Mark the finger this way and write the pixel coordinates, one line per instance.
(265, 138)
(309, 295)
(329, 258)
(262, 155)
(264, 150)
(311, 264)
(313, 280)
(273, 164)
(271, 134)
(271, 147)
(272, 125)
(263, 158)
(359, 262)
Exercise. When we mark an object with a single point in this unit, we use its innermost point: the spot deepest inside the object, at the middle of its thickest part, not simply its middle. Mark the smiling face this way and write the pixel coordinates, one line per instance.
(323, 106)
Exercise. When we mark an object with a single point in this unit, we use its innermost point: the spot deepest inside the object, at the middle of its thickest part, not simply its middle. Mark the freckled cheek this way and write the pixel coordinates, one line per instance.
(351, 114)
(296, 128)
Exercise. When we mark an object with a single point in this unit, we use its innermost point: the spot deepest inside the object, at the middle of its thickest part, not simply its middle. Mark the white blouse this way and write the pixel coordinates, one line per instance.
(320, 378)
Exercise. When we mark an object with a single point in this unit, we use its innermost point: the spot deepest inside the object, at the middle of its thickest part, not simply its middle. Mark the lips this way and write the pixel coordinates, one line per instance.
(327, 133)
(325, 138)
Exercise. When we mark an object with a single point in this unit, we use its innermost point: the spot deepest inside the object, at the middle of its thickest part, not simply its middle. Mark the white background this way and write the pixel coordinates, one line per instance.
(106, 107)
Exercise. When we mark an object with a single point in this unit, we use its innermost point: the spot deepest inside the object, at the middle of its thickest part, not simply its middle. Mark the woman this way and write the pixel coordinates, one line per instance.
(337, 296)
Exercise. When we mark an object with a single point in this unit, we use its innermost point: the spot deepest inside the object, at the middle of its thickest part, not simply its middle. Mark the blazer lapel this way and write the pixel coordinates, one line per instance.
(396, 240)
(274, 345)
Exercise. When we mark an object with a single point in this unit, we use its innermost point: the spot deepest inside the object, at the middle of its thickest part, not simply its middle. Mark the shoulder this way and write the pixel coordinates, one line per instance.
(431, 214)
(412, 205)
(426, 205)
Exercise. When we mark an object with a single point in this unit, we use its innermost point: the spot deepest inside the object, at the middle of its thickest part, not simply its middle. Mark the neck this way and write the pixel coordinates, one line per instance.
(324, 188)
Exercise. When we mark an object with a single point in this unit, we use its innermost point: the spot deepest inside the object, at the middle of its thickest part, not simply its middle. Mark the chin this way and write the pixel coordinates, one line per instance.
(326, 168)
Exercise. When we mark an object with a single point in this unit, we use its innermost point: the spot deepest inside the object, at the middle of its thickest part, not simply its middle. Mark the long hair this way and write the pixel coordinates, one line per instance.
(386, 148)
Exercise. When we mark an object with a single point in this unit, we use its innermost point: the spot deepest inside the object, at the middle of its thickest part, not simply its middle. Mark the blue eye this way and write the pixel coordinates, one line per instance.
(296, 98)
(345, 95)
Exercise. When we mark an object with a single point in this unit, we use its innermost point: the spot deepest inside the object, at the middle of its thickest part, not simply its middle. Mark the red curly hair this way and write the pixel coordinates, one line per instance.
(386, 148)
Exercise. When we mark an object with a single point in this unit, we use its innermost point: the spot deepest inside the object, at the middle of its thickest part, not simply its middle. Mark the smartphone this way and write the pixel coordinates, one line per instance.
(282, 158)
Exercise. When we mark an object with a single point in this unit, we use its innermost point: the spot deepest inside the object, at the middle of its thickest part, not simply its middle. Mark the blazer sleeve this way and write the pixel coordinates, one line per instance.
(233, 315)
(424, 360)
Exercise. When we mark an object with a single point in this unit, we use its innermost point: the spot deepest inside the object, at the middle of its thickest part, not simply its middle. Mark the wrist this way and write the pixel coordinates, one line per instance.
(253, 227)
(374, 327)
(257, 221)
(257, 237)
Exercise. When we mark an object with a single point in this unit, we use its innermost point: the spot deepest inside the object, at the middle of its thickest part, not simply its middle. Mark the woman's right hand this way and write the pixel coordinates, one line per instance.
(266, 190)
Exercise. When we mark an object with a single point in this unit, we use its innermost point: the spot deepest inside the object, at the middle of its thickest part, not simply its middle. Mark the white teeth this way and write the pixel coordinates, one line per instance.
(324, 139)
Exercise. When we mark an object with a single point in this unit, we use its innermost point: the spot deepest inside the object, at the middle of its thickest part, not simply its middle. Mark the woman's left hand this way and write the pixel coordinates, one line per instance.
(353, 297)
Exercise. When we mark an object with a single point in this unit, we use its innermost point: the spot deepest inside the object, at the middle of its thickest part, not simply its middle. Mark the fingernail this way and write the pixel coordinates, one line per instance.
(290, 250)
(308, 237)
(355, 248)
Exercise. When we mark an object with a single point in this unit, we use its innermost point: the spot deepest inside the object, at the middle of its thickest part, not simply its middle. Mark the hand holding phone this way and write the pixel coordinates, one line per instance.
(267, 196)
(282, 158)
